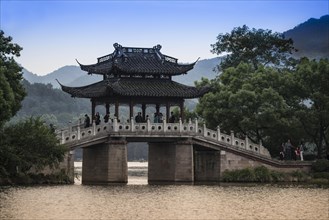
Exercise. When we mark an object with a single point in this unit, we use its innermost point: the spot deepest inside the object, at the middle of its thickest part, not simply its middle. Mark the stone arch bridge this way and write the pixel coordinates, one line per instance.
(178, 152)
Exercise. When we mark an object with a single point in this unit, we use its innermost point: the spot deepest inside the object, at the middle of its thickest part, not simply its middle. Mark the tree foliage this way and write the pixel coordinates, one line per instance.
(251, 102)
(271, 105)
(28, 144)
(11, 89)
(312, 93)
(52, 105)
(255, 46)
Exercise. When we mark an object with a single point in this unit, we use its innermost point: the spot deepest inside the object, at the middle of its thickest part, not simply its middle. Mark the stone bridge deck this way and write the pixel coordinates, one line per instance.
(177, 151)
(167, 132)
(77, 136)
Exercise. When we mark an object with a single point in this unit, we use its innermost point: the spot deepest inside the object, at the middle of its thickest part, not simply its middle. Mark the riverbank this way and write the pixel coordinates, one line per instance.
(36, 179)
(319, 175)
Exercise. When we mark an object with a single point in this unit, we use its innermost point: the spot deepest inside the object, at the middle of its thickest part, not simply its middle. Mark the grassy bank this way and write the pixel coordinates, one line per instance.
(30, 179)
(319, 175)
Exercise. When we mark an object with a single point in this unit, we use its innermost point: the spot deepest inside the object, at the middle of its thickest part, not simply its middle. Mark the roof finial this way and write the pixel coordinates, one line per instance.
(157, 47)
(117, 46)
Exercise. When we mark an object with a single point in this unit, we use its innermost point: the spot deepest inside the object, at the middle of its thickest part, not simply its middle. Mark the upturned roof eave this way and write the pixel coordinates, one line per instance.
(120, 87)
(95, 69)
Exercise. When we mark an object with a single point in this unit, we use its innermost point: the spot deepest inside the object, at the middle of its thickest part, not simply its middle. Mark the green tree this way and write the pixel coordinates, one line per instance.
(251, 102)
(255, 46)
(11, 89)
(29, 144)
(312, 105)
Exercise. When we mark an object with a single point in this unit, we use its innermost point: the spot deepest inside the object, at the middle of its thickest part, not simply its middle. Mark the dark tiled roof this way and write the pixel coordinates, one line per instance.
(137, 61)
(135, 87)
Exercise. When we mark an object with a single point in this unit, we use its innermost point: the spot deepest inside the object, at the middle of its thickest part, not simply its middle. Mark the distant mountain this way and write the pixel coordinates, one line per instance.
(65, 75)
(311, 38)
(203, 68)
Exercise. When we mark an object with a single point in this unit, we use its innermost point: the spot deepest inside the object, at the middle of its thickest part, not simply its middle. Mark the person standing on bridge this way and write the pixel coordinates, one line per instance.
(87, 121)
(106, 118)
(97, 118)
(282, 151)
(301, 150)
(288, 147)
(139, 118)
(172, 118)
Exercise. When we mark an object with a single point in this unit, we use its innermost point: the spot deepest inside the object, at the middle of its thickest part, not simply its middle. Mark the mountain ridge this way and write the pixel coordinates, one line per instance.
(311, 38)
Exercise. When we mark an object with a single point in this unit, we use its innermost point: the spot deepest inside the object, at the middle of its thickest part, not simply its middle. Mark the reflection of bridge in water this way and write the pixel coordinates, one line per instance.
(178, 152)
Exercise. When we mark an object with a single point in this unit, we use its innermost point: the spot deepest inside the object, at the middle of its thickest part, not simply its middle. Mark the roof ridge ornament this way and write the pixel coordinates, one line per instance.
(119, 52)
(117, 46)
(157, 49)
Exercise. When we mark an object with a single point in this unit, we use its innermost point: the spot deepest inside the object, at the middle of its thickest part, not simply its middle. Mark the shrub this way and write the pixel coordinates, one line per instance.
(276, 176)
(262, 174)
(229, 176)
(321, 175)
(320, 182)
(321, 165)
(300, 176)
(246, 175)
(309, 156)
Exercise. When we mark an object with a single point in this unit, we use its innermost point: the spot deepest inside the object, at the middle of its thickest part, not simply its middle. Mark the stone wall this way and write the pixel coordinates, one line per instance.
(230, 161)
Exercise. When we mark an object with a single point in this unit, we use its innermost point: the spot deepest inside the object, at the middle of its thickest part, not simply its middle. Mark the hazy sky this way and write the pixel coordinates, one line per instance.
(55, 33)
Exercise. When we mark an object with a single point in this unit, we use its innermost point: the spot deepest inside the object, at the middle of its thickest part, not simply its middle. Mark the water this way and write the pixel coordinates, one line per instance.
(137, 200)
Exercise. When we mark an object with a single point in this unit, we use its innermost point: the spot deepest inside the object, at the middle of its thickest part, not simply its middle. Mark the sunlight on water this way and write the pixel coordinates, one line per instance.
(137, 200)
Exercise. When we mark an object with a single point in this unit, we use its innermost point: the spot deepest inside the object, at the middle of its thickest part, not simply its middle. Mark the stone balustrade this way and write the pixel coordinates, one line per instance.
(78, 132)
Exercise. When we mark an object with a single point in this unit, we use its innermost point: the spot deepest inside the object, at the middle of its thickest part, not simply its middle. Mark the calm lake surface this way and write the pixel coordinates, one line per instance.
(137, 200)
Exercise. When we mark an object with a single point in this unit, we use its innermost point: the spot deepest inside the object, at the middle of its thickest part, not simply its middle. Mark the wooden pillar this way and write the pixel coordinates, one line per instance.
(167, 111)
(143, 111)
(131, 109)
(107, 106)
(93, 106)
(157, 108)
(181, 106)
(117, 109)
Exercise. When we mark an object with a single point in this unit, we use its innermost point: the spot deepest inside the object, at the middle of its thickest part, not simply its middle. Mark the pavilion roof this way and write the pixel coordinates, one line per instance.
(132, 61)
(135, 87)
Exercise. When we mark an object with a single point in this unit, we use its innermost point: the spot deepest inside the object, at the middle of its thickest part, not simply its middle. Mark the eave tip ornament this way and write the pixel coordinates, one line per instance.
(117, 46)
(157, 47)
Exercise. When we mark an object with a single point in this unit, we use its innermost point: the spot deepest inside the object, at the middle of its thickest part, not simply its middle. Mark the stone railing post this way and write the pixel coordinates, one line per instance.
(94, 127)
(63, 137)
(79, 135)
(115, 124)
(164, 125)
(218, 133)
(247, 143)
(148, 126)
(189, 121)
(204, 130)
(180, 125)
(70, 127)
(260, 146)
(132, 124)
(232, 137)
(196, 125)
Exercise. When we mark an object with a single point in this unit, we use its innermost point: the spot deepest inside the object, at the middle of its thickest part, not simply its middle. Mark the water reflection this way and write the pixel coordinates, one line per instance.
(142, 201)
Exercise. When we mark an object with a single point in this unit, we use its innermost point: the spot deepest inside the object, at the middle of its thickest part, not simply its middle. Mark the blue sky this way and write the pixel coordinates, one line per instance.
(55, 33)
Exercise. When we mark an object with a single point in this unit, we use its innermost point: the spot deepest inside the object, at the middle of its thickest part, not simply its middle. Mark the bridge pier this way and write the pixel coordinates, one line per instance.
(171, 162)
(105, 163)
(207, 166)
